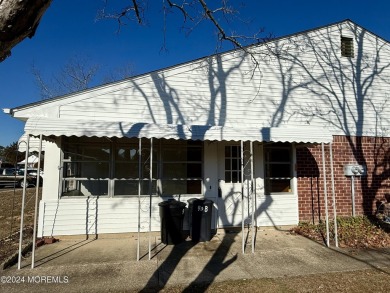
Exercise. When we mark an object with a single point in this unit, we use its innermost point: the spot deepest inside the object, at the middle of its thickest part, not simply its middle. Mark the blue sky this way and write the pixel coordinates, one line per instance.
(69, 28)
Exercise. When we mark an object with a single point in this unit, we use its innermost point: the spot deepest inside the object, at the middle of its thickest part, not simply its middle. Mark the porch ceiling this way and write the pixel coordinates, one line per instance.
(66, 127)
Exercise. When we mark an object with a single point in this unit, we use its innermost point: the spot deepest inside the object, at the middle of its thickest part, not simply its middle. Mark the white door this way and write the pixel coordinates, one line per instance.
(229, 180)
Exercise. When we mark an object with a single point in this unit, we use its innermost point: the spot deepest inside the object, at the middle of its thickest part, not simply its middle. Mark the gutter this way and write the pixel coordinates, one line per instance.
(7, 111)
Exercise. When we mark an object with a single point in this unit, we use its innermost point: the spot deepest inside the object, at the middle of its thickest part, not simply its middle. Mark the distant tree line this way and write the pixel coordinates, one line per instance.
(10, 155)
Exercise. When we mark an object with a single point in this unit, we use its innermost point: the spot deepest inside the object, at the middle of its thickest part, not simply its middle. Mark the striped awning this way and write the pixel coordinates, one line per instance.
(66, 127)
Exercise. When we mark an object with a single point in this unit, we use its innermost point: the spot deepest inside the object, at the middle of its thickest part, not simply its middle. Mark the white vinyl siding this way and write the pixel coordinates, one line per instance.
(309, 84)
(277, 210)
(89, 216)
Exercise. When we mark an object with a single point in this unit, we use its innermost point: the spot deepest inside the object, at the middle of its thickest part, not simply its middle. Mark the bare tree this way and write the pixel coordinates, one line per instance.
(77, 74)
(219, 14)
(124, 71)
(19, 19)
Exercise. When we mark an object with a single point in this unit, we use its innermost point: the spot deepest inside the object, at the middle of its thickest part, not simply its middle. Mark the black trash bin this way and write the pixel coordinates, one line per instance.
(171, 216)
(190, 208)
(200, 213)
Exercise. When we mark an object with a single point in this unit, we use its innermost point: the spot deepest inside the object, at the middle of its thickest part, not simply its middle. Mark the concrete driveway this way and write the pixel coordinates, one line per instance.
(109, 262)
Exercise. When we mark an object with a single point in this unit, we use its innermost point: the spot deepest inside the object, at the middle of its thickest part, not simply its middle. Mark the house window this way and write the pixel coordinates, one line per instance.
(182, 168)
(86, 169)
(278, 168)
(347, 47)
(97, 167)
(126, 169)
(233, 164)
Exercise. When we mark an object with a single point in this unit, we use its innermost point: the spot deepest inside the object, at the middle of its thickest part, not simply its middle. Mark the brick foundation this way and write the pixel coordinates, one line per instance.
(372, 152)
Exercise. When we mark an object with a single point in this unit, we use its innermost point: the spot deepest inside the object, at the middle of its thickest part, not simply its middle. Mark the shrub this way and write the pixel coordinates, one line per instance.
(356, 232)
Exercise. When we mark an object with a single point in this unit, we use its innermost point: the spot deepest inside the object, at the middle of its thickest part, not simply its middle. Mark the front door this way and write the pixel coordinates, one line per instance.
(229, 175)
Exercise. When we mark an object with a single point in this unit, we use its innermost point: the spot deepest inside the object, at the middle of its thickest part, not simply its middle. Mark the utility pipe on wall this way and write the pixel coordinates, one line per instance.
(353, 195)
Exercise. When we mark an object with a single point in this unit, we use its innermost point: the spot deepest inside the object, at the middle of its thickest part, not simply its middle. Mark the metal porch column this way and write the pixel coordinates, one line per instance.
(252, 196)
(333, 197)
(242, 197)
(36, 202)
(139, 194)
(23, 202)
(150, 193)
(325, 195)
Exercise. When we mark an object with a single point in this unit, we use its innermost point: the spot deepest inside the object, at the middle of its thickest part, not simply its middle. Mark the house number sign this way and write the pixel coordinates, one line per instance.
(201, 209)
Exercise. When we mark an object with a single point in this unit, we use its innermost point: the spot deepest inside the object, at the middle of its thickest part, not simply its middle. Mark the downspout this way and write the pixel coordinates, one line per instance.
(23, 202)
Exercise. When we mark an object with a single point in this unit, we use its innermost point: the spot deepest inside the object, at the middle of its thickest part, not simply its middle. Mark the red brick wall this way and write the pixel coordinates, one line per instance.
(373, 152)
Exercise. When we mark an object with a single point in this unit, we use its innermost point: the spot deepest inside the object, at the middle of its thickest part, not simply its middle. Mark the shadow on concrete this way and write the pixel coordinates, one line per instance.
(60, 253)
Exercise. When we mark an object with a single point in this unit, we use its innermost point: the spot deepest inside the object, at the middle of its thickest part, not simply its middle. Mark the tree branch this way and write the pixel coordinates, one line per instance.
(221, 31)
(18, 20)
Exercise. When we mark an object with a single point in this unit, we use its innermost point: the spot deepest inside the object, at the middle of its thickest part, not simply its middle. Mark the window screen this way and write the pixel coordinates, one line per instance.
(278, 168)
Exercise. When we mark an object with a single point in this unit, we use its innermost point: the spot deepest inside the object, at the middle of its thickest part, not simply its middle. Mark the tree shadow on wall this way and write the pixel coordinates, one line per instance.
(308, 176)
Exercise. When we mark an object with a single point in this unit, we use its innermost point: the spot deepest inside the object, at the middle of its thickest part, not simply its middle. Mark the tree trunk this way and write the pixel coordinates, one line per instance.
(18, 19)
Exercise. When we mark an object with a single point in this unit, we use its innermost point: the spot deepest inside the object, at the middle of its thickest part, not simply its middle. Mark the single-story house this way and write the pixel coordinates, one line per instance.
(273, 135)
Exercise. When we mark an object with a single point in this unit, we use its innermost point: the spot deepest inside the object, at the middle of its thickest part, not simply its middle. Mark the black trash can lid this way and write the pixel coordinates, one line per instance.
(172, 204)
(164, 203)
(177, 204)
(201, 200)
(191, 200)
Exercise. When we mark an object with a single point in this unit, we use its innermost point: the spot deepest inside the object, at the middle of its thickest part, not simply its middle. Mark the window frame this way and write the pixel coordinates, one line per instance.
(347, 47)
(145, 178)
(71, 182)
(267, 163)
(231, 159)
(77, 145)
(163, 179)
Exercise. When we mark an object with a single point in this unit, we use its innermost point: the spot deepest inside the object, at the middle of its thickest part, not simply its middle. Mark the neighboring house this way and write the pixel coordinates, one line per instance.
(180, 132)
(32, 161)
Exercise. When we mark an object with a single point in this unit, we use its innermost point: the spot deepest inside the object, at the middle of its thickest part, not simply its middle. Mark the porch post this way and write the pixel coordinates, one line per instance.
(36, 202)
(242, 197)
(150, 193)
(139, 194)
(333, 197)
(23, 201)
(325, 195)
(252, 197)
